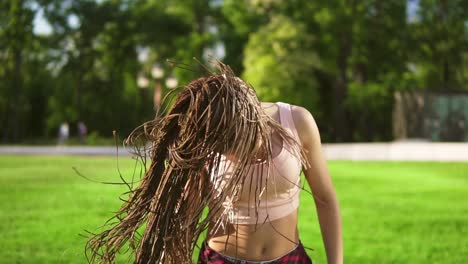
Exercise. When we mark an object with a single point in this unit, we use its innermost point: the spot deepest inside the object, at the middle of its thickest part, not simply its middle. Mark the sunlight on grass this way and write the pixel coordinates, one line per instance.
(393, 212)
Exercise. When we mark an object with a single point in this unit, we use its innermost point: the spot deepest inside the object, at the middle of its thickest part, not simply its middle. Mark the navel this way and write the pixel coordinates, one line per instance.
(263, 251)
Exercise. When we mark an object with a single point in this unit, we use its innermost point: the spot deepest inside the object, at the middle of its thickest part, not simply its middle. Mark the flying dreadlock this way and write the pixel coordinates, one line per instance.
(211, 116)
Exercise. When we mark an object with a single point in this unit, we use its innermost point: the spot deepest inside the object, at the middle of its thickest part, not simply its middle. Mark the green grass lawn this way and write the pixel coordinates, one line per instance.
(393, 212)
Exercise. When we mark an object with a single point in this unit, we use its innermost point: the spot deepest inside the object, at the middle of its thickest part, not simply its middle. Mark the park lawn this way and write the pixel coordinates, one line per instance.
(393, 212)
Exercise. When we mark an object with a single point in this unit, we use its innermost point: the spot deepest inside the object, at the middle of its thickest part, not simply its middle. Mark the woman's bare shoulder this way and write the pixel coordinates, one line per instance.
(305, 124)
(301, 116)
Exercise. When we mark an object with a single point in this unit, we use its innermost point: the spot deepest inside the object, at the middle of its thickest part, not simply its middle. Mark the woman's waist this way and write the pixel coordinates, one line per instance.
(257, 242)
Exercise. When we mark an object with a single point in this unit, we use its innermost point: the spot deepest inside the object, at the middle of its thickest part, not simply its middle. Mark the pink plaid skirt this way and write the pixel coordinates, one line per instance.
(210, 256)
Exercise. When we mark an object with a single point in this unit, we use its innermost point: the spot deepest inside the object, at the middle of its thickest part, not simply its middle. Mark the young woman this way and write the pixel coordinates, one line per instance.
(219, 148)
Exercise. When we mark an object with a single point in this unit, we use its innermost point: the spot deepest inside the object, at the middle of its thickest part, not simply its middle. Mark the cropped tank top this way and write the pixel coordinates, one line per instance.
(265, 195)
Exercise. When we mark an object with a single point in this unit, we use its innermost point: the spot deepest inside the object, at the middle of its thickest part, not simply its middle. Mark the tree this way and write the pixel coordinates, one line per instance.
(16, 39)
(97, 69)
(280, 63)
(362, 50)
(441, 37)
(238, 20)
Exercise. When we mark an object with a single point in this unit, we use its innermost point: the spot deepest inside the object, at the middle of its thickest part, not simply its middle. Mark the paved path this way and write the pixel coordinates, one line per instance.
(417, 151)
(421, 151)
(63, 150)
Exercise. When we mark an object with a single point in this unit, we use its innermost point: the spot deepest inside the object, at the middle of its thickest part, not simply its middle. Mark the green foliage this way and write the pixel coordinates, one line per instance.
(329, 56)
(16, 18)
(368, 96)
(440, 37)
(280, 64)
(371, 108)
(238, 20)
(96, 76)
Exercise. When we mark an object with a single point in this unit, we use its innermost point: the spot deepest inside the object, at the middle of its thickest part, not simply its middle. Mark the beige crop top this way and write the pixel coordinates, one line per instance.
(276, 197)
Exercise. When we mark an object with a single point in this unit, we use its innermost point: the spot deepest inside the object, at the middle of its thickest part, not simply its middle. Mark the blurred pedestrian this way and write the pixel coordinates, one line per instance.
(82, 132)
(64, 133)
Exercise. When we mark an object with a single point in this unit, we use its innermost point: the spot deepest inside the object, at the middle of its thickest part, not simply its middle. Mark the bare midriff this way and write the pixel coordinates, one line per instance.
(261, 242)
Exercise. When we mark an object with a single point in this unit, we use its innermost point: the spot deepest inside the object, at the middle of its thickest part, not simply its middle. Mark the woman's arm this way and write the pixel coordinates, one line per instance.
(319, 180)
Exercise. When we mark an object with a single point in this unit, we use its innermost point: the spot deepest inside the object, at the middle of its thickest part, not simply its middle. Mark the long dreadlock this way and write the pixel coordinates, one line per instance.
(211, 116)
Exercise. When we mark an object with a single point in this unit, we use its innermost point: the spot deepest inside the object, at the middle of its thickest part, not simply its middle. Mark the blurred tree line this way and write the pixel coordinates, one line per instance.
(342, 59)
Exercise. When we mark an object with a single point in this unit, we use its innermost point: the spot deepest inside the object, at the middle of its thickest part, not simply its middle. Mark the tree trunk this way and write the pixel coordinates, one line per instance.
(341, 121)
(16, 104)
(199, 11)
(443, 13)
(445, 75)
(79, 84)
